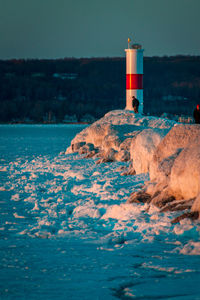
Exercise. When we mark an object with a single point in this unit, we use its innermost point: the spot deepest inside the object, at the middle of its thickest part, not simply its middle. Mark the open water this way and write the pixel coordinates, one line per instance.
(66, 231)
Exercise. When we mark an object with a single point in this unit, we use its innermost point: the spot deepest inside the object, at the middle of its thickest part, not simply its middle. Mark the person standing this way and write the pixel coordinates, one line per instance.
(196, 114)
(135, 104)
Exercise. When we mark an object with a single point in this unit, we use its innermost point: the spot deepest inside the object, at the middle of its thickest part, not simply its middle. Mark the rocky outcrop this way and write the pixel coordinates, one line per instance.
(113, 136)
(170, 152)
(174, 169)
(143, 148)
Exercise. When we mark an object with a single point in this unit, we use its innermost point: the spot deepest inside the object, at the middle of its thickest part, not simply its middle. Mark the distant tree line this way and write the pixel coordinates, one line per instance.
(171, 84)
(49, 90)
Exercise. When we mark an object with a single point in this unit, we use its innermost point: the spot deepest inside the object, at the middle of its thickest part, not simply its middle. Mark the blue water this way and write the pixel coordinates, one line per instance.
(54, 240)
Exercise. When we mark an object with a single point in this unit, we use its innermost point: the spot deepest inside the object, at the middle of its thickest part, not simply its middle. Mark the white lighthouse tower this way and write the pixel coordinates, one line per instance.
(134, 75)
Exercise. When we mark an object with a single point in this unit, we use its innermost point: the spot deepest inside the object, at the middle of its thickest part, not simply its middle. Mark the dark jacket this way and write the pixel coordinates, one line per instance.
(135, 102)
(196, 115)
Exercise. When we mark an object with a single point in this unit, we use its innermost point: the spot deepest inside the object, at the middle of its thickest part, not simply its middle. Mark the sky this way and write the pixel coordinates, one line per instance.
(97, 28)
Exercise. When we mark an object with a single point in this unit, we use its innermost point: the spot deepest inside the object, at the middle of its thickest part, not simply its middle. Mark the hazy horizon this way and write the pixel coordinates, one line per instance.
(93, 57)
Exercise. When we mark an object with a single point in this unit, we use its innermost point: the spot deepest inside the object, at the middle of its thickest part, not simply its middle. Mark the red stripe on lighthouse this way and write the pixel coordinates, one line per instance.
(134, 81)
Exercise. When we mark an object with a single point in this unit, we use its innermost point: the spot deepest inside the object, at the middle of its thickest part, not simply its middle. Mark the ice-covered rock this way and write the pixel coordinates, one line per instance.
(143, 147)
(174, 168)
(176, 161)
(178, 138)
(120, 117)
(196, 205)
(185, 172)
(112, 135)
(169, 151)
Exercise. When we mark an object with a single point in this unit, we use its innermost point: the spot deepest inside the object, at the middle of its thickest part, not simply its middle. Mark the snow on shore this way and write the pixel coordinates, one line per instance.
(168, 151)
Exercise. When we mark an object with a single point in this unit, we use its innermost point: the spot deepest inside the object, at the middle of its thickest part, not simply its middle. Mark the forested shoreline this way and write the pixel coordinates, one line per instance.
(82, 90)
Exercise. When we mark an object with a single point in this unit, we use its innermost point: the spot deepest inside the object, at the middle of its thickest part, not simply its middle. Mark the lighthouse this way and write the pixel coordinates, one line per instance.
(134, 75)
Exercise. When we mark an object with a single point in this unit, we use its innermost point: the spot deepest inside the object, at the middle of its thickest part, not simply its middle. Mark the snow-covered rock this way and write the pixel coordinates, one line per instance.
(178, 138)
(196, 204)
(176, 161)
(120, 117)
(169, 151)
(174, 168)
(113, 133)
(185, 172)
(143, 147)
